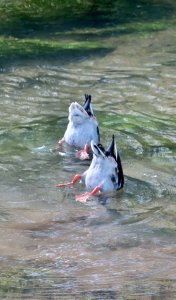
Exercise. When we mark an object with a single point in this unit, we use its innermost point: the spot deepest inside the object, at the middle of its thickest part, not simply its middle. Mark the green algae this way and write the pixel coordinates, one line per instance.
(32, 48)
(42, 28)
(12, 280)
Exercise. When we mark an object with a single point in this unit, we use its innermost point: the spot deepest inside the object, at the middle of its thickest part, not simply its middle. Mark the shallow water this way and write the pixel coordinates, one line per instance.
(121, 247)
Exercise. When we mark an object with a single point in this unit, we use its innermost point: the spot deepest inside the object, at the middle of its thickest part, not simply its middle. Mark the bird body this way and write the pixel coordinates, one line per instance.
(82, 127)
(105, 173)
(105, 169)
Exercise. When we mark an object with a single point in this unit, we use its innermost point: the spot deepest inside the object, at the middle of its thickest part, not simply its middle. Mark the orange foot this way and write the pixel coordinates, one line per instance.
(72, 182)
(84, 197)
(59, 144)
(83, 154)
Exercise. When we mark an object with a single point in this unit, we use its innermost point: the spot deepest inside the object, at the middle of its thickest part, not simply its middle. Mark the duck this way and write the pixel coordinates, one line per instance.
(105, 173)
(82, 128)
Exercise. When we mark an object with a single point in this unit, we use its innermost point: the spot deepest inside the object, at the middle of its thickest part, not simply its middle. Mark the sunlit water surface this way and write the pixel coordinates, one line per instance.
(121, 247)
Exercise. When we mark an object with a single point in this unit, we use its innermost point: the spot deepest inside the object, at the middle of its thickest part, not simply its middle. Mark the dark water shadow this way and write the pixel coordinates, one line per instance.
(57, 55)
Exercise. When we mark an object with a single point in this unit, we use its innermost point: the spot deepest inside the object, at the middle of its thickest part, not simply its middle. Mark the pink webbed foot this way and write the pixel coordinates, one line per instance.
(59, 144)
(84, 197)
(72, 182)
(83, 154)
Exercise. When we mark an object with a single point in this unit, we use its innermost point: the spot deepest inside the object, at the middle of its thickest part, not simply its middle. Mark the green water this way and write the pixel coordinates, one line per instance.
(121, 247)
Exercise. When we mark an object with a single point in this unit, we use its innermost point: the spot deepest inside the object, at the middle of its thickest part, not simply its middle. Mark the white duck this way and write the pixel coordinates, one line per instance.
(104, 174)
(82, 127)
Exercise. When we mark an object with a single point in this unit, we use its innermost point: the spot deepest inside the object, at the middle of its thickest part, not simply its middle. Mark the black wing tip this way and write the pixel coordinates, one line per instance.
(120, 173)
(87, 105)
(87, 97)
(110, 148)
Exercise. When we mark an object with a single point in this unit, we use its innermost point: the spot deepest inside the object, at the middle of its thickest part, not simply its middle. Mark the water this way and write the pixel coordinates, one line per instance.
(121, 247)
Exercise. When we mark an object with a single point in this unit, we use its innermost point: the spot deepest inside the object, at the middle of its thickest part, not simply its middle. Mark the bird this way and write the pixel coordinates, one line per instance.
(82, 128)
(105, 173)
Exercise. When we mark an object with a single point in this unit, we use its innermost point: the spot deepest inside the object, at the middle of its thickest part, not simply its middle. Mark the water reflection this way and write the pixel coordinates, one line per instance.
(119, 246)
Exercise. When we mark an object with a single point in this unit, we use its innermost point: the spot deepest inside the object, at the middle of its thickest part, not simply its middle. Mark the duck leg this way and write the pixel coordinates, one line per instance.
(83, 154)
(84, 197)
(72, 182)
(59, 144)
